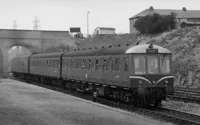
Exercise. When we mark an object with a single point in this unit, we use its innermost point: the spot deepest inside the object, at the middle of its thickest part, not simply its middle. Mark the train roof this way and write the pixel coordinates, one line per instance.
(21, 57)
(47, 55)
(142, 48)
(97, 51)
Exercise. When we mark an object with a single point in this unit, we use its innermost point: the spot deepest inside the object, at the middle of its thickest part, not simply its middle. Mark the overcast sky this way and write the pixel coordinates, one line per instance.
(63, 14)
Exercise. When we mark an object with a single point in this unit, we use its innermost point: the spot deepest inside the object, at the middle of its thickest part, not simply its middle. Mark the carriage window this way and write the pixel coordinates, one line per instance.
(97, 63)
(139, 62)
(116, 64)
(164, 64)
(58, 63)
(93, 63)
(125, 64)
(108, 60)
(104, 64)
(111, 64)
(83, 64)
(152, 64)
(89, 61)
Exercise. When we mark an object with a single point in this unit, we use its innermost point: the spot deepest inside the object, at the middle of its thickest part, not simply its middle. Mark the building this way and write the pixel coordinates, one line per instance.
(104, 31)
(184, 17)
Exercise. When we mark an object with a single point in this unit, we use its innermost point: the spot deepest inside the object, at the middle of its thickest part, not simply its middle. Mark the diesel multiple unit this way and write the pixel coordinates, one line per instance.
(140, 74)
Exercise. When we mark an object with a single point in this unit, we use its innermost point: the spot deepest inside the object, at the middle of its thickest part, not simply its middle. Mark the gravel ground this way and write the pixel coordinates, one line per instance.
(192, 108)
(25, 104)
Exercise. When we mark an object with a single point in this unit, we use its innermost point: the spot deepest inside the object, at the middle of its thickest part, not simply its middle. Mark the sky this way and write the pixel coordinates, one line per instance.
(63, 14)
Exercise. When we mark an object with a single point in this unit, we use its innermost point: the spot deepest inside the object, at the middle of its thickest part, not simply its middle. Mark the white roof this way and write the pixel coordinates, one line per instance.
(142, 49)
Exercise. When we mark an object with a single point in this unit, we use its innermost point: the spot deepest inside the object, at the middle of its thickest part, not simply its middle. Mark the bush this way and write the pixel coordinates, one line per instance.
(156, 23)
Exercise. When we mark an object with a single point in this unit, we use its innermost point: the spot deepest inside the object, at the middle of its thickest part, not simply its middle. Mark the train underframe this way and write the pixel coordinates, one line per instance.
(141, 97)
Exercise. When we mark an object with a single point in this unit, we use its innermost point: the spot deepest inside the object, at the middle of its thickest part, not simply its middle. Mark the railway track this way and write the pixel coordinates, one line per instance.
(159, 113)
(186, 95)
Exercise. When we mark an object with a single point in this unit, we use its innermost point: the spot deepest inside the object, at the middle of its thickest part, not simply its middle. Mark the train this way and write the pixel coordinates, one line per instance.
(140, 75)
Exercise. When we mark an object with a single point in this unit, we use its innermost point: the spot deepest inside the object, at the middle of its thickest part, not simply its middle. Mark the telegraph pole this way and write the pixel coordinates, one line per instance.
(88, 23)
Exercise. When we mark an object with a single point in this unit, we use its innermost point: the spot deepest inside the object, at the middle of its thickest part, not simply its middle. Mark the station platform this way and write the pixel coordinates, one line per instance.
(25, 104)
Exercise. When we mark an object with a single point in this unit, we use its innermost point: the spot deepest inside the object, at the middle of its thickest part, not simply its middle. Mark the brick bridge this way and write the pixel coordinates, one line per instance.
(33, 40)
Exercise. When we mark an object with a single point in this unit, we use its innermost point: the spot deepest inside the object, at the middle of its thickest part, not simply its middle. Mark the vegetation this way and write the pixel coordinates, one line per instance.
(59, 48)
(156, 23)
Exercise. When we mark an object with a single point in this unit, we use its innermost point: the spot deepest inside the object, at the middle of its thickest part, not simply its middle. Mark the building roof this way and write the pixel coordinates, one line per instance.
(179, 13)
(106, 28)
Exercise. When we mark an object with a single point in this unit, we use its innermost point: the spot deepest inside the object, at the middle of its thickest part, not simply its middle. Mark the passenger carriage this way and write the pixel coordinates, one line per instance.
(19, 66)
(46, 67)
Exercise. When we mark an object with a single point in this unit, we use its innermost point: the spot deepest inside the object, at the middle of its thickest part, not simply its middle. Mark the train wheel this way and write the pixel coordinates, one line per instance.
(142, 101)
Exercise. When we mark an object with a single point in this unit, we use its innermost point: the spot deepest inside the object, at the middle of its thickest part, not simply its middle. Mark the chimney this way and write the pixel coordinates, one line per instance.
(184, 8)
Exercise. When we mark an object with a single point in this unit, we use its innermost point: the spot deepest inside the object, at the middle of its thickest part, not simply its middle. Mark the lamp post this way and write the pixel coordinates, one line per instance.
(88, 23)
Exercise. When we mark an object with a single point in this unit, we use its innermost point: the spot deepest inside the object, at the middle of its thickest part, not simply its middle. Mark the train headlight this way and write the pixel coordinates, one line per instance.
(140, 82)
(154, 82)
(166, 81)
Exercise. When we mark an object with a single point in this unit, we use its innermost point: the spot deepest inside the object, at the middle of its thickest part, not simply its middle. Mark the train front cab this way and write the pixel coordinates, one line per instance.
(150, 73)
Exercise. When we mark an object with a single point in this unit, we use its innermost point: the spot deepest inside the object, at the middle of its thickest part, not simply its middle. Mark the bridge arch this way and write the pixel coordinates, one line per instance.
(17, 51)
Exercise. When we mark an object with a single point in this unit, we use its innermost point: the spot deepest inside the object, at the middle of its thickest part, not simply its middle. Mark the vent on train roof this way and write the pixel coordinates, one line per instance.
(127, 44)
(151, 46)
(109, 46)
(95, 47)
(103, 47)
(118, 45)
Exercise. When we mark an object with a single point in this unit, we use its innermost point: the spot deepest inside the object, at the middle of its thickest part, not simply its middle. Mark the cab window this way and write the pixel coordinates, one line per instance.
(152, 64)
(164, 64)
(139, 62)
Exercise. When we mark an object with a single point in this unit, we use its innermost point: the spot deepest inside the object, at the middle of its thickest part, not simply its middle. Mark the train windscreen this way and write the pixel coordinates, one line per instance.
(165, 64)
(152, 64)
(139, 62)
